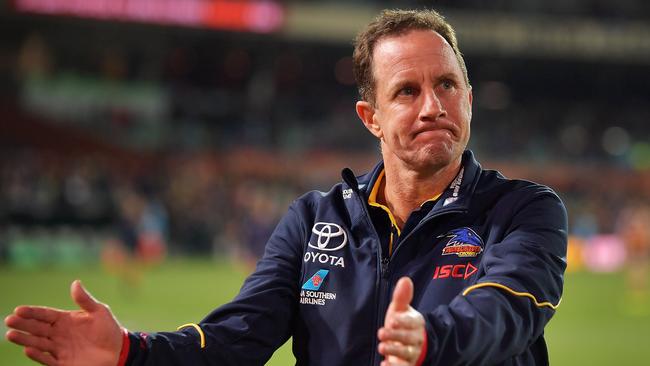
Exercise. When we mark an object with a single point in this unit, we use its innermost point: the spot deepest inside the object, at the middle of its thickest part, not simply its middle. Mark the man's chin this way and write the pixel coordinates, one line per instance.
(431, 162)
(439, 158)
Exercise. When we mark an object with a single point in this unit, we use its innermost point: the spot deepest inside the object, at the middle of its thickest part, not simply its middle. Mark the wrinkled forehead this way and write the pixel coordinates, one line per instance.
(412, 49)
(409, 38)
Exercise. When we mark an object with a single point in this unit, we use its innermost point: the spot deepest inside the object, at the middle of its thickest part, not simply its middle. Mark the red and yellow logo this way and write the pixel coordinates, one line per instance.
(463, 242)
(462, 250)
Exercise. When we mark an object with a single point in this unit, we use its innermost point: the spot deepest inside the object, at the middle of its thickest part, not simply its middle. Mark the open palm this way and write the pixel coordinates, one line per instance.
(89, 336)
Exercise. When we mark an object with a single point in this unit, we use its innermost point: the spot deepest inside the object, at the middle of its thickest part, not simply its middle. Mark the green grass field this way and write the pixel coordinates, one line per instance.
(593, 326)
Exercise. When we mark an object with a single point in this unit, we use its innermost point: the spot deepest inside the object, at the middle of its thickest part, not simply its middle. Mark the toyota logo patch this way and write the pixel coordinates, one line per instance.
(329, 236)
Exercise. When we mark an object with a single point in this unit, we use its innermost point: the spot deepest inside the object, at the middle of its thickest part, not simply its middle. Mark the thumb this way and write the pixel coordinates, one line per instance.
(402, 295)
(82, 297)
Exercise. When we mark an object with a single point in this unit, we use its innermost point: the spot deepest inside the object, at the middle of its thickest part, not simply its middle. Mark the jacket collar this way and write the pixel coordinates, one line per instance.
(471, 172)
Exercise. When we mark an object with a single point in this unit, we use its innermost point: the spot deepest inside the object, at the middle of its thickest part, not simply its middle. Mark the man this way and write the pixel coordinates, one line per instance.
(428, 259)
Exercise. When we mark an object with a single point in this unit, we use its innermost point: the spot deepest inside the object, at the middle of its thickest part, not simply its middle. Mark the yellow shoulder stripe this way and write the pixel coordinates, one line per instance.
(198, 329)
(516, 293)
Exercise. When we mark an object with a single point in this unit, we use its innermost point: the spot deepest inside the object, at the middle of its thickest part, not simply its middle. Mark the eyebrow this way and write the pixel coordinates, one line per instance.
(448, 76)
(409, 81)
(402, 83)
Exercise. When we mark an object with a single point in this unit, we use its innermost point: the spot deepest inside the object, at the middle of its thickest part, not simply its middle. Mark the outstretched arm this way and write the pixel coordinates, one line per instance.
(89, 336)
(244, 332)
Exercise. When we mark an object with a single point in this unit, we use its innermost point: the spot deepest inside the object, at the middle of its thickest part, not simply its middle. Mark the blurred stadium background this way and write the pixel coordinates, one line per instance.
(179, 130)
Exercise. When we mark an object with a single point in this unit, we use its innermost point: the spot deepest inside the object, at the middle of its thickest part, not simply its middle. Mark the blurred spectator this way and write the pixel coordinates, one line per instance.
(141, 236)
(634, 229)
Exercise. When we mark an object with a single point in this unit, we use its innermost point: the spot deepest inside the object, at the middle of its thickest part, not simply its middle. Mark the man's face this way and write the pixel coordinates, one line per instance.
(422, 108)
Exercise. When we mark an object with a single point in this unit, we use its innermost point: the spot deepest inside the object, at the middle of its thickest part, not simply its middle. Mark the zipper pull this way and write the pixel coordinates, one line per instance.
(384, 267)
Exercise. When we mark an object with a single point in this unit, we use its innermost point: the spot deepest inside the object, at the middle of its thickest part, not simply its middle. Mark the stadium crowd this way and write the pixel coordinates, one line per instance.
(151, 131)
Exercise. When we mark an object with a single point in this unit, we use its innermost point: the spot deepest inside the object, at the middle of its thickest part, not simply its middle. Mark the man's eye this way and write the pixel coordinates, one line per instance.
(447, 84)
(407, 91)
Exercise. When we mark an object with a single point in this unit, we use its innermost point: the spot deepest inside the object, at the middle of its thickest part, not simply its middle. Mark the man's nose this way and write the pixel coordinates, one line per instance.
(432, 107)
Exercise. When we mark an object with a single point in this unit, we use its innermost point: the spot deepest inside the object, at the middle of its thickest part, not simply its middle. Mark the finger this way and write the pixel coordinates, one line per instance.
(28, 340)
(404, 352)
(394, 362)
(412, 337)
(40, 357)
(40, 313)
(402, 295)
(35, 327)
(408, 320)
(83, 298)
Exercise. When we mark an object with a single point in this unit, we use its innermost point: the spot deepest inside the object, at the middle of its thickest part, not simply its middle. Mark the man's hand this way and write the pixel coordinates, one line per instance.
(90, 336)
(402, 336)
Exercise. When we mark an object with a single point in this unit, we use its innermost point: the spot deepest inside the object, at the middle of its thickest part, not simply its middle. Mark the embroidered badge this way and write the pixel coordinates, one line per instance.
(463, 242)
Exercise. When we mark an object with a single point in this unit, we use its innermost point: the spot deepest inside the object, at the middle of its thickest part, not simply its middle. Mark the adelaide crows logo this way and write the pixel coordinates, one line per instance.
(463, 242)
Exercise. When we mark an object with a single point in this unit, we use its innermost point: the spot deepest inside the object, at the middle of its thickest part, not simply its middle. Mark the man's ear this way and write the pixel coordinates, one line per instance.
(366, 113)
(471, 97)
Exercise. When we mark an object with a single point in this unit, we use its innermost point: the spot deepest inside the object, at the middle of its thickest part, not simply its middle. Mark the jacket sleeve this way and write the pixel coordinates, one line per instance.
(247, 330)
(505, 311)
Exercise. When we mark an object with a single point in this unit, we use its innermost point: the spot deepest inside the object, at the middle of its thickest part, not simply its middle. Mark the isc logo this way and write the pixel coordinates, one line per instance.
(454, 271)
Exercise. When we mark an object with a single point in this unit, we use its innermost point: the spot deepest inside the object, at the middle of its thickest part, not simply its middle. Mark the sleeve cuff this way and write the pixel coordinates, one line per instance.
(126, 345)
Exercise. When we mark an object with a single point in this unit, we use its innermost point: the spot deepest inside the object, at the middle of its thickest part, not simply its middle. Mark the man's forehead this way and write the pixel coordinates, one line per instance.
(397, 50)
(411, 42)
(410, 33)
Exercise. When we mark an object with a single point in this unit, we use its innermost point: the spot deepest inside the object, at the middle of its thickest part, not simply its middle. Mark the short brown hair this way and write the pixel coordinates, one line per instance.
(396, 22)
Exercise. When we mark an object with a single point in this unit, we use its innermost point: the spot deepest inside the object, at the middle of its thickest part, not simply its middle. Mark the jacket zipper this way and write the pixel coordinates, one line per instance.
(385, 269)
(422, 223)
(382, 265)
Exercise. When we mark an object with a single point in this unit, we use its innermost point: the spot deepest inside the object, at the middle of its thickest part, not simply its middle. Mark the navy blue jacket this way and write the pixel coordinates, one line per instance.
(487, 262)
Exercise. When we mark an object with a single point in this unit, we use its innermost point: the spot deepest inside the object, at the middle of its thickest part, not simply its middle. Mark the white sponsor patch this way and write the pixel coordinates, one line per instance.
(316, 297)
(328, 237)
(323, 258)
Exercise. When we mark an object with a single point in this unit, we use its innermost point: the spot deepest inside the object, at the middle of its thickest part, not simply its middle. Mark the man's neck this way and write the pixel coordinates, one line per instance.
(404, 190)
